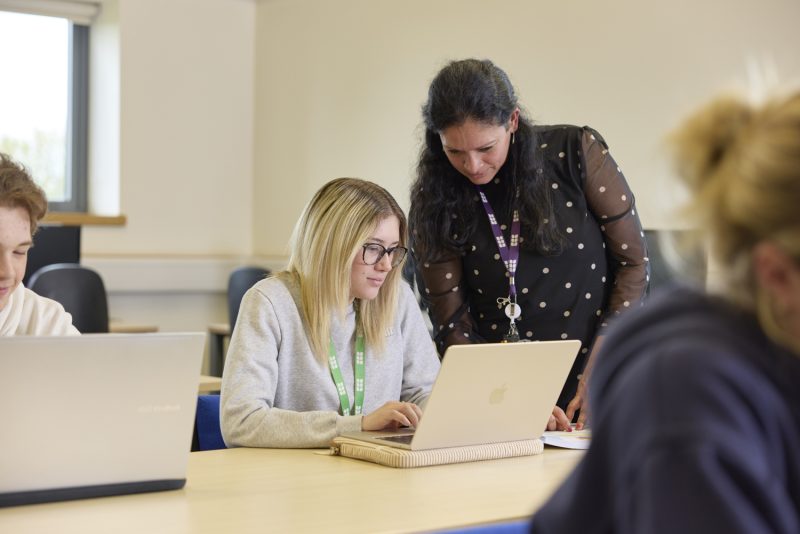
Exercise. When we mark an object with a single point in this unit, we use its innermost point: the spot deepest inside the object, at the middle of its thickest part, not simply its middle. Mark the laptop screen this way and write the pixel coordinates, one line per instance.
(490, 393)
(98, 414)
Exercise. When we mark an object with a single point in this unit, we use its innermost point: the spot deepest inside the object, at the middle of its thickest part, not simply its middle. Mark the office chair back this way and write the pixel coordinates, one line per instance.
(239, 281)
(53, 244)
(663, 248)
(207, 433)
(79, 289)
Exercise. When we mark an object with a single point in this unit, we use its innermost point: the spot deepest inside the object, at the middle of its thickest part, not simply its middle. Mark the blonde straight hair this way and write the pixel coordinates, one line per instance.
(330, 233)
(743, 163)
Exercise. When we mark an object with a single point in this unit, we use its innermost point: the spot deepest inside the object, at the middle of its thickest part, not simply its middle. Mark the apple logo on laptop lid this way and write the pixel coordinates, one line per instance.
(498, 394)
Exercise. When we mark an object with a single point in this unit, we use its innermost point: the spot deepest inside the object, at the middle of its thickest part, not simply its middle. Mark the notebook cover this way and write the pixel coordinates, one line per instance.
(403, 458)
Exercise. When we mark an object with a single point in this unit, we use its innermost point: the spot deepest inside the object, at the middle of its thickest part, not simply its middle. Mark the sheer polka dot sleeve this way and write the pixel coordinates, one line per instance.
(611, 201)
(444, 291)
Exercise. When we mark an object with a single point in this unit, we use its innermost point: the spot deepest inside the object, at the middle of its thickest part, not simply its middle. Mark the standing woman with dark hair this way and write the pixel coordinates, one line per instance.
(522, 232)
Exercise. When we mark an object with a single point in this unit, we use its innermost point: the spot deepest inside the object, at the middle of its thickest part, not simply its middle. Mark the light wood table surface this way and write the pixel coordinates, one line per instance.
(246, 491)
(209, 384)
(127, 328)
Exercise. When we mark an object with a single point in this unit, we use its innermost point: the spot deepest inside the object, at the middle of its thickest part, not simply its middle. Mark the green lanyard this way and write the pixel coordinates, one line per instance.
(336, 373)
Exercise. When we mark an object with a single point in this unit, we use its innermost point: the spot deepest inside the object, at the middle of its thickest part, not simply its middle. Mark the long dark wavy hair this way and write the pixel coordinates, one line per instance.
(443, 212)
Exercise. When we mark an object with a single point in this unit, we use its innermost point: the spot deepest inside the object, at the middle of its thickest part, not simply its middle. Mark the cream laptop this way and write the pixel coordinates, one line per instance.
(488, 393)
(96, 415)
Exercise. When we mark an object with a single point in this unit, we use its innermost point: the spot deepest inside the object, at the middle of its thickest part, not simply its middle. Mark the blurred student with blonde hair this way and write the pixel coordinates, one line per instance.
(696, 401)
(22, 206)
(336, 342)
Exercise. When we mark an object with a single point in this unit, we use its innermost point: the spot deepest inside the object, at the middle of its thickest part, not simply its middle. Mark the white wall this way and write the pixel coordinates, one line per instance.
(171, 149)
(217, 119)
(186, 129)
(339, 84)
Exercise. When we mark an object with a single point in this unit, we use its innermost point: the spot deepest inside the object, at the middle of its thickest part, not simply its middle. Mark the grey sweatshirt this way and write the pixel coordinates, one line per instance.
(277, 393)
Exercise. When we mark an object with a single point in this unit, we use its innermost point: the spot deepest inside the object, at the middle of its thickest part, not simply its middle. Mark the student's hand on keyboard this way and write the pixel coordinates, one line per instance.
(392, 415)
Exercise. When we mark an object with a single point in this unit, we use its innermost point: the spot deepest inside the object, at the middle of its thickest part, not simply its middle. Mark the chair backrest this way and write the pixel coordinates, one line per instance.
(79, 289)
(239, 281)
(663, 246)
(53, 244)
(208, 436)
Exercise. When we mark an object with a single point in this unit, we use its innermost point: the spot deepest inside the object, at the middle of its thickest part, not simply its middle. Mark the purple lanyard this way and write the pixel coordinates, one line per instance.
(510, 256)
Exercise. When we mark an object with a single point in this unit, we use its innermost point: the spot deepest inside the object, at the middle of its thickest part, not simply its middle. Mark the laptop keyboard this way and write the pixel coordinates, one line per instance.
(403, 438)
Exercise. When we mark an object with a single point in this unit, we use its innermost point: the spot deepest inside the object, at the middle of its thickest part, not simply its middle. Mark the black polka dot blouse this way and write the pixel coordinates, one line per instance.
(602, 271)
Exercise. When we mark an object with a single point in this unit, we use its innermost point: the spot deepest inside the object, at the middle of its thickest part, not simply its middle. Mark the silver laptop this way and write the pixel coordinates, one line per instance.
(488, 393)
(95, 415)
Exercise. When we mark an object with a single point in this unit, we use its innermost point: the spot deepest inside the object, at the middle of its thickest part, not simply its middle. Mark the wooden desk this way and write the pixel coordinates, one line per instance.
(217, 333)
(209, 384)
(125, 328)
(273, 490)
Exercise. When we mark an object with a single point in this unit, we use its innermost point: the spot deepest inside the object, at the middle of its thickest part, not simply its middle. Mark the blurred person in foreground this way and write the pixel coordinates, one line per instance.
(696, 398)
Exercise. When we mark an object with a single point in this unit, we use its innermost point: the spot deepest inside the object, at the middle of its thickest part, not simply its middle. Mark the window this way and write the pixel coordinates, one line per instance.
(44, 102)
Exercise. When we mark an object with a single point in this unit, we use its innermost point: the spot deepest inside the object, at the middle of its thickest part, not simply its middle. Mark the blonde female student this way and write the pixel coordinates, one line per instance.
(336, 342)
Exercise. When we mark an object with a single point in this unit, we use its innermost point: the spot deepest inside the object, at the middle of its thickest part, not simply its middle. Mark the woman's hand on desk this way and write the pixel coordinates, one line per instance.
(392, 415)
(579, 402)
(581, 399)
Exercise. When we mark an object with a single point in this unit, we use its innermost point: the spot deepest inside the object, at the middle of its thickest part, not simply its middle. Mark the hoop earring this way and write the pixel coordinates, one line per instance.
(512, 138)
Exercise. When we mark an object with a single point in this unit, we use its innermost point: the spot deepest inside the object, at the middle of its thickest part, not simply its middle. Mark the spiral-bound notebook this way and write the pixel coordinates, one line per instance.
(487, 393)
(95, 415)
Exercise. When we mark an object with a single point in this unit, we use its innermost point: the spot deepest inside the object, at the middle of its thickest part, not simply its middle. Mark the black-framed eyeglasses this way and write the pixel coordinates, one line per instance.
(372, 253)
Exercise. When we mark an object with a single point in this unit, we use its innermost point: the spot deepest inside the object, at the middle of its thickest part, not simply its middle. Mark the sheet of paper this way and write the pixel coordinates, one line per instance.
(577, 439)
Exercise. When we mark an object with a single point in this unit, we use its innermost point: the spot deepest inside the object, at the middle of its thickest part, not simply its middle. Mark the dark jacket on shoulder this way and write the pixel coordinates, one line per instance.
(695, 428)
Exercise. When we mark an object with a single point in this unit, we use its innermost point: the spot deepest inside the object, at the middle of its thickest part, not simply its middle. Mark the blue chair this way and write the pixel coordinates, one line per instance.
(208, 436)
(509, 527)
(239, 281)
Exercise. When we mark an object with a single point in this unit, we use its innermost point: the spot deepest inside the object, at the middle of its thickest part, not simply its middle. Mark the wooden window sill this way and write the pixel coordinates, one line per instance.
(82, 219)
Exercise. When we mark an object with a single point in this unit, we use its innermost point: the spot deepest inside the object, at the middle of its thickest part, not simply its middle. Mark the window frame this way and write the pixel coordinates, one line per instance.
(77, 142)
